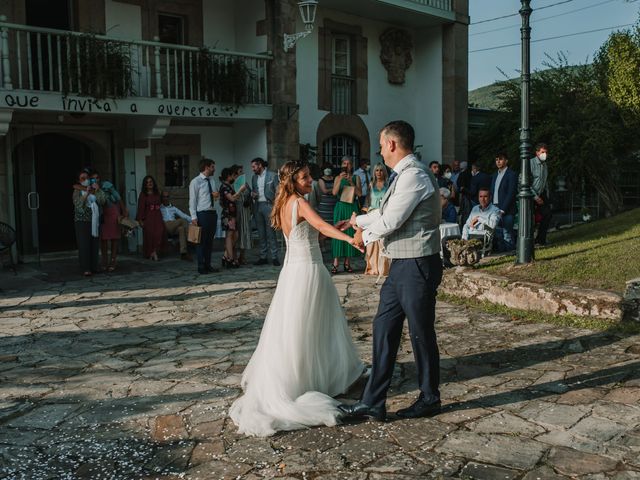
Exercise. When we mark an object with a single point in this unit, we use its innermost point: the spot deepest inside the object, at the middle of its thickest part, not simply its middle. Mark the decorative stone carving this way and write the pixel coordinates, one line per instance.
(395, 53)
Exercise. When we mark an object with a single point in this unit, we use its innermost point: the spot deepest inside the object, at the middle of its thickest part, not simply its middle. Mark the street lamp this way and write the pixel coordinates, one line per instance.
(524, 248)
(308, 14)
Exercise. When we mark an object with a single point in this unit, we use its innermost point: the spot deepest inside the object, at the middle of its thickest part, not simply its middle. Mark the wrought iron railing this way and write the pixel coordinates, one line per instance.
(342, 94)
(42, 59)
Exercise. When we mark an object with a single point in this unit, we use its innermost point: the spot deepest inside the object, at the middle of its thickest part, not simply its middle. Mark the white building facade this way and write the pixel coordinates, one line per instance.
(159, 84)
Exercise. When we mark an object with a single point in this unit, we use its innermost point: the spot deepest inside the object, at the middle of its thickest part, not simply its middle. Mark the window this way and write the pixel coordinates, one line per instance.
(171, 29)
(342, 83)
(342, 68)
(338, 146)
(341, 55)
(176, 169)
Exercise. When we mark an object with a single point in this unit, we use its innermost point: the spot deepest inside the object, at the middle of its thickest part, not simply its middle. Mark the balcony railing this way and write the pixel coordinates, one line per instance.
(73, 63)
(342, 94)
(440, 4)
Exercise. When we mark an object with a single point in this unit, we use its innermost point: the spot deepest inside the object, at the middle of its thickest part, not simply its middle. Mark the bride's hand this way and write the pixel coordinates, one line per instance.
(357, 245)
(343, 225)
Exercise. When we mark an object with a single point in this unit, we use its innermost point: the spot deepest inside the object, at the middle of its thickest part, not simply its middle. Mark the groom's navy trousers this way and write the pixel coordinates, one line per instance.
(409, 291)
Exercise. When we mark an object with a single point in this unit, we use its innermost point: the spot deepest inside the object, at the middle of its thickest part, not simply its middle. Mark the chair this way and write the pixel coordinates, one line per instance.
(7, 239)
(486, 236)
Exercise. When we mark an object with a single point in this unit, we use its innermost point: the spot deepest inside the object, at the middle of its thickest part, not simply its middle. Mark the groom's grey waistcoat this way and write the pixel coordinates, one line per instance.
(419, 235)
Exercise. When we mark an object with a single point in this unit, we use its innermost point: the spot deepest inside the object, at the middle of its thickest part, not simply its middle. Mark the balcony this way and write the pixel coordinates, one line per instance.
(46, 69)
(411, 13)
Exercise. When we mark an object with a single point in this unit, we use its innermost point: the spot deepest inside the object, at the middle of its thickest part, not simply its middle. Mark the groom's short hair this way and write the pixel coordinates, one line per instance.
(402, 131)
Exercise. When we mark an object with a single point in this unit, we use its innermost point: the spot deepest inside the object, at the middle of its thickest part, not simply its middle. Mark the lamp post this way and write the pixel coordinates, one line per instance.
(308, 14)
(524, 248)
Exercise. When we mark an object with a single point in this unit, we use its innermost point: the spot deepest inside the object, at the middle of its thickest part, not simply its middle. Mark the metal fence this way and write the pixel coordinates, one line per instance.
(43, 59)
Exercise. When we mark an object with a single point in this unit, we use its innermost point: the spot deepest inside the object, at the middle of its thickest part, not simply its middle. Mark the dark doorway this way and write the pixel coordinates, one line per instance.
(46, 168)
(49, 13)
(44, 68)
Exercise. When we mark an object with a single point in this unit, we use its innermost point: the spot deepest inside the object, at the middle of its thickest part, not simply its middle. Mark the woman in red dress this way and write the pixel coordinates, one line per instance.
(149, 216)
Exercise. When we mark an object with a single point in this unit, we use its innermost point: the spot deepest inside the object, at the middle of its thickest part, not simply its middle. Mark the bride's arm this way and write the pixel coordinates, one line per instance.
(310, 215)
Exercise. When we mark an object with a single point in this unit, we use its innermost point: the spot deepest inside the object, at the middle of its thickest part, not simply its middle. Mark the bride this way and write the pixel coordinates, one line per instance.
(305, 354)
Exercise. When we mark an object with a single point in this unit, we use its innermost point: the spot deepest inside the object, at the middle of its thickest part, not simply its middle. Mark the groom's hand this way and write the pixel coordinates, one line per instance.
(358, 238)
(352, 220)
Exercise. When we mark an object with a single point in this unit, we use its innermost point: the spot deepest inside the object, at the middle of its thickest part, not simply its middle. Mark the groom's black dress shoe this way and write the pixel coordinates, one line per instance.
(420, 409)
(362, 410)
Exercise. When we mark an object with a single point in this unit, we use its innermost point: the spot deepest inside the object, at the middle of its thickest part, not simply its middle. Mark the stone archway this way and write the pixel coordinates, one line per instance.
(349, 125)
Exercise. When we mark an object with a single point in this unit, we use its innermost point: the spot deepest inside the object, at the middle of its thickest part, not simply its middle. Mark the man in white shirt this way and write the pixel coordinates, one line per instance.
(408, 223)
(483, 215)
(264, 185)
(176, 222)
(202, 195)
(365, 180)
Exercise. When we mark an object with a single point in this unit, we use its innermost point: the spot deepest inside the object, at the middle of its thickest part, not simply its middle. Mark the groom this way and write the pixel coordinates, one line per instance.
(408, 224)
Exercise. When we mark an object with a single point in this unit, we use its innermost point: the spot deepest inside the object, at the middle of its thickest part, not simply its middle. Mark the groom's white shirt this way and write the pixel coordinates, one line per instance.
(410, 189)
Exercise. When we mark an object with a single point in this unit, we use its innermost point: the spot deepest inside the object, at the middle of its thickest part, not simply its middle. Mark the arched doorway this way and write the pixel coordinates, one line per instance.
(46, 167)
(340, 135)
(339, 146)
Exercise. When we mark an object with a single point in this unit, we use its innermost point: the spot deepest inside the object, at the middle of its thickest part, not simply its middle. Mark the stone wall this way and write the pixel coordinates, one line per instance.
(476, 284)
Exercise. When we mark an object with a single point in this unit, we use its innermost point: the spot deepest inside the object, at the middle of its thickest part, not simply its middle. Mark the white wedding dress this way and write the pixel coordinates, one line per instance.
(305, 354)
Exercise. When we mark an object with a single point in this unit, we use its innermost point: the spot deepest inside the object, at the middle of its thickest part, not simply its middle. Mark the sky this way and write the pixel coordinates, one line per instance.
(561, 17)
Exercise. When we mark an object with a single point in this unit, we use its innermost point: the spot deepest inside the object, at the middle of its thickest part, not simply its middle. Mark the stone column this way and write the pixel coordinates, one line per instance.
(283, 131)
(455, 98)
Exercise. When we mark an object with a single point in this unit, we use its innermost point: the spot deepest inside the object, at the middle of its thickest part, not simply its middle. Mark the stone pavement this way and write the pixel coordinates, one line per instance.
(130, 376)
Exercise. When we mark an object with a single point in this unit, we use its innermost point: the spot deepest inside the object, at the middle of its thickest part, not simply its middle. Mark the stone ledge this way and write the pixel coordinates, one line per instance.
(480, 285)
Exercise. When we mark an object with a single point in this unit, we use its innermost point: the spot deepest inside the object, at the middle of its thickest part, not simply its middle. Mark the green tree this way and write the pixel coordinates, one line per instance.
(618, 68)
(583, 127)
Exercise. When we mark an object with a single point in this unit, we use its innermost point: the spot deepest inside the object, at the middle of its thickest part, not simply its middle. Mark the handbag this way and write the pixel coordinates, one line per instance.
(348, 194)
(194, 233)
(248, 201)
(128, 222)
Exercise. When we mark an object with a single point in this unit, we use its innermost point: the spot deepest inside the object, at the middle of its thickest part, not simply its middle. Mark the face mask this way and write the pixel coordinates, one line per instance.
(542, 157)
(447, 175)
(85, 183)
(327, 171)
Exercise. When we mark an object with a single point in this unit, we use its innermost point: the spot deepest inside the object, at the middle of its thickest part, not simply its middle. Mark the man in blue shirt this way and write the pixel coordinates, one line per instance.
(484, 215)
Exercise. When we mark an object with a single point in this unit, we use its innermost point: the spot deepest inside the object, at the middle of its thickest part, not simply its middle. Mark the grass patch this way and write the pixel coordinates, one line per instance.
(603, 255)
(530, 316)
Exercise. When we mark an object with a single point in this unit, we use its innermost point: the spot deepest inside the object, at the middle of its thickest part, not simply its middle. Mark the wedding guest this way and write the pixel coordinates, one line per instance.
(376, 264)
(347, 189)
(87, 222)
(110, 231)
(328, 199)
(449, 214)
(504, 189)
(113, 209)
(176, 222)
(479, 180)
(228, 199)
(243, 218)
(150, 218)
(365, 180)
(463, 185)
(483, 215)
(540, 189)
(447, 177)
(202, 195)
(264, 185)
